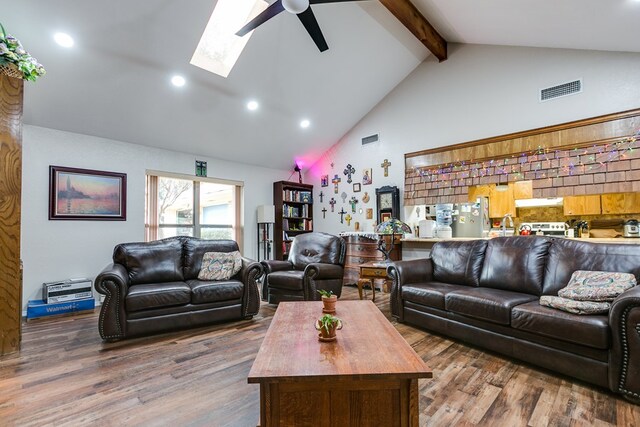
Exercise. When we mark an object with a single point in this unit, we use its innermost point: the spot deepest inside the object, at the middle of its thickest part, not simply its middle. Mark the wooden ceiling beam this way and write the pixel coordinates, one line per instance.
(411, 18)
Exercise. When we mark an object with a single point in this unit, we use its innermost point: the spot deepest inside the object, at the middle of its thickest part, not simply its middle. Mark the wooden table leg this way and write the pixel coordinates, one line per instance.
(360, 283)
(373, 289)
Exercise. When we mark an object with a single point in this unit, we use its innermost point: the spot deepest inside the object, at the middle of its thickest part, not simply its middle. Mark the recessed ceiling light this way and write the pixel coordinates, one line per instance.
(64, 40)
(305, 124)
(252, 105)
(178, 81)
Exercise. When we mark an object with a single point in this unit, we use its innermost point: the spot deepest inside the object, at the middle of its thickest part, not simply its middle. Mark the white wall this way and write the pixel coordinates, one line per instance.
(480, 91)
(57, 250)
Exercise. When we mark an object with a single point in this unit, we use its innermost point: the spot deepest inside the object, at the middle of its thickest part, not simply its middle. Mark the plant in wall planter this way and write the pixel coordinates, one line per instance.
(328, 325)
(15, 61)
(328, 301)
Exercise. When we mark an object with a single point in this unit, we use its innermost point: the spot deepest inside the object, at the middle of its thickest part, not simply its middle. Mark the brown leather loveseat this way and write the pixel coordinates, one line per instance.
(153, 287)
(486, 293)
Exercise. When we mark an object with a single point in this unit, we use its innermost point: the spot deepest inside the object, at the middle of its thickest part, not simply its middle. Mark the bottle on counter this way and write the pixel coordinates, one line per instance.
(584, 230)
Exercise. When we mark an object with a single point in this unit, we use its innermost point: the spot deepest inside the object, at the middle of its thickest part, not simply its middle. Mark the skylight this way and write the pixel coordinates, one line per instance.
(219, 47)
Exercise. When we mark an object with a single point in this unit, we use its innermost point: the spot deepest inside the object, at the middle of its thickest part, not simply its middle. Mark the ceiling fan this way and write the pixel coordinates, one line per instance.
(301, 8)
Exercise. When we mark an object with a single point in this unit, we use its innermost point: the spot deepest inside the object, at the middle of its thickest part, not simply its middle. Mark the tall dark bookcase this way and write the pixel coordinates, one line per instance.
(294, 214)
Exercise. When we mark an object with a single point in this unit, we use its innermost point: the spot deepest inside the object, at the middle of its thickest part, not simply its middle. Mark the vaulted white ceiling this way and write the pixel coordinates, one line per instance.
(115, 82)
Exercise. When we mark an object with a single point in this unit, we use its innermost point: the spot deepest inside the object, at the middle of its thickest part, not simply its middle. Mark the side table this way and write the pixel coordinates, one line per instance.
(371, 271)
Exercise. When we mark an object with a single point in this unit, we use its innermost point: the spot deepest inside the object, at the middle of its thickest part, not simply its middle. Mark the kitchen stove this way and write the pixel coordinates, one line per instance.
(547, 228)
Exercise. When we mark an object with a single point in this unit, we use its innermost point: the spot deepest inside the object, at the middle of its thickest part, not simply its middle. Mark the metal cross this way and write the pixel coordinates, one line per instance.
(353, 202)
(348, 219)
(385, 165)
(336, 180)
(321, 196)
(342, 212)
(332, 202)
(324, 213)
(349, 171)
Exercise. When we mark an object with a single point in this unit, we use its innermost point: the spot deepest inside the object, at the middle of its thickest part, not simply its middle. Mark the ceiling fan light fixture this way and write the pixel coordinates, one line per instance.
(295, 6)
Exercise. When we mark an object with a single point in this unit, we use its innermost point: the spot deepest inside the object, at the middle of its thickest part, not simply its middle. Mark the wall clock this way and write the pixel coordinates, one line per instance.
(387, 203)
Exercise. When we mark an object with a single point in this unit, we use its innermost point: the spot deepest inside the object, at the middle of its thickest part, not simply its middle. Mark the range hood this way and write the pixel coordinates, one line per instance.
(539, 203)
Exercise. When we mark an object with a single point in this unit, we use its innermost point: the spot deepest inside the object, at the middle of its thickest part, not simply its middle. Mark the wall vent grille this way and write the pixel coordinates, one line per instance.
(561, 90)
(370, 139)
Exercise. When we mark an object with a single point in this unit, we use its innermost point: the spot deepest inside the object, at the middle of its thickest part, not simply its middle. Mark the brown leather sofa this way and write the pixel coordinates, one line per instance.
(486, 293)
(153, 287)
(316, 261)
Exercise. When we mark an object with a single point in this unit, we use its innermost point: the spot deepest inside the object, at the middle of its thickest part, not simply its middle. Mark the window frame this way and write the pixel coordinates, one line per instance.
(152, 225)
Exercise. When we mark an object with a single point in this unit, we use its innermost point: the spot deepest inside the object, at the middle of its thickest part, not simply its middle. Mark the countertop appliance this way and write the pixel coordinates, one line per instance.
(471, 219)
(631, 228)
(546, 228)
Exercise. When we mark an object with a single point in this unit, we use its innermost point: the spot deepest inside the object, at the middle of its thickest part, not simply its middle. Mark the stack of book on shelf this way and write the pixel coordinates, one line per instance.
(296, 196)
(289, 224)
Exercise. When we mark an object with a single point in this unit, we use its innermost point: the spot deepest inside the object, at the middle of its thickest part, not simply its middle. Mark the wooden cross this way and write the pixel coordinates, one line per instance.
(342, 212)
(332, 202)
(385, 165)
(324, 213)
(349, 171)
(336, 180)
(348, 219)
(353, 202)
(321, 196)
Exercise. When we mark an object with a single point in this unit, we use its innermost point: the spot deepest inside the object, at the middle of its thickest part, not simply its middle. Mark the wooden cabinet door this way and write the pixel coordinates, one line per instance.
(502, 202)
(582, 205)
(523, 190)
(620, 203)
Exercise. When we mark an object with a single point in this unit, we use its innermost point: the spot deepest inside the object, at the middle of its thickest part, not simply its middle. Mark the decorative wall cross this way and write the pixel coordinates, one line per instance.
(324, 213)
(348, 219)
(348, 172)
(332, 202)
(353, 202)
(336, 180)
(321, 196)
(385, 165)
(342, 212)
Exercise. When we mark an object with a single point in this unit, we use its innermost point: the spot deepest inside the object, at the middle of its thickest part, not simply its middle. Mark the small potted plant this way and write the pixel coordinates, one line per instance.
(328, 301)
(328, 325)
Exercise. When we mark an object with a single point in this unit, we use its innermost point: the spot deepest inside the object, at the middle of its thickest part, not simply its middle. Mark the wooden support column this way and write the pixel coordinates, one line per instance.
(419, 26)
(11, 98)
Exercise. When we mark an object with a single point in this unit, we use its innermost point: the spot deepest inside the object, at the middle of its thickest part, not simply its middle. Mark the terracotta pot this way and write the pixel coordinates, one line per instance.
(330, 334)
(329, 304)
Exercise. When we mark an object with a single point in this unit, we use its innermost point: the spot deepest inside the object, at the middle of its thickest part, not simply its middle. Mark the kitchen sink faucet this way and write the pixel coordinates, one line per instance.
(503, 224)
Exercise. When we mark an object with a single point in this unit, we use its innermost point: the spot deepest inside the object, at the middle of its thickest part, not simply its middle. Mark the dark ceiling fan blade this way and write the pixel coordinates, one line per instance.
(268, 13)
(329, 1)
(309, 21)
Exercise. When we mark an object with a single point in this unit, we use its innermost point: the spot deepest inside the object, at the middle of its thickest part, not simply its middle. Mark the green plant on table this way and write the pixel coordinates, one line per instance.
(326, 294)
(328, 321)
(12, 53)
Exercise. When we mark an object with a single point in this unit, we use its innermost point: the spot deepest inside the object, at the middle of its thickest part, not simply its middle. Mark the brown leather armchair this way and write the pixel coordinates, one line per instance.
(316, 261)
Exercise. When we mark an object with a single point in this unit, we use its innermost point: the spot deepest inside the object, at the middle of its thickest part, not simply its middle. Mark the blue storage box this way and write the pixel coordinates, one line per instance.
(38, 308)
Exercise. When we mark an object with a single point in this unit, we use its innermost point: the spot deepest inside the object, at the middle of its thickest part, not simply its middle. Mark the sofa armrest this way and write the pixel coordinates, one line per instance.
(113, 282)
(624, 357)
(321, 271)
(250, 272)
(402, 273)
(272, 265)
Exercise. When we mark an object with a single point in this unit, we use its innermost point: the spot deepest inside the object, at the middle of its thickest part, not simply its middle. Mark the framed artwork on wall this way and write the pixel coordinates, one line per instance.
(324, 181)
(367, 177)
(84, 194)
(356, 187)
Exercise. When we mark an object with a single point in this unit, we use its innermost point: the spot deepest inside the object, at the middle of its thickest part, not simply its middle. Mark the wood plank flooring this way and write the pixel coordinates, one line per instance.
(66, 376)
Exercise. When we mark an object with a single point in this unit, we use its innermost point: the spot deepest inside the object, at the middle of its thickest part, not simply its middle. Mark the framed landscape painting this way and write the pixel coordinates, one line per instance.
(83, 194)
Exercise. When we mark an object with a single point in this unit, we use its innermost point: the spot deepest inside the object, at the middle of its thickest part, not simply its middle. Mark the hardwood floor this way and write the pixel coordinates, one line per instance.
(66, 376)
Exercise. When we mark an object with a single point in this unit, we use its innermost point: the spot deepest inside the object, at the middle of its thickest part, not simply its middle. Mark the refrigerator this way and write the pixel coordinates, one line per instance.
(471, 219)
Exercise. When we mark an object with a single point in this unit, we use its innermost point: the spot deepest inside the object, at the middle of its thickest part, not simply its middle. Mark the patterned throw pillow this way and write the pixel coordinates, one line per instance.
(597, 285)
(575, 307)
(220, 265)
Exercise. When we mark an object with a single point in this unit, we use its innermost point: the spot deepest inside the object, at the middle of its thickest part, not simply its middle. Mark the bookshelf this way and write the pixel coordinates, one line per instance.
(294, 214)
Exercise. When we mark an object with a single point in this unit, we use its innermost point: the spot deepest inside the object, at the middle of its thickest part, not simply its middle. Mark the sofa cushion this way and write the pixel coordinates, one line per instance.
(515, 264)
(151, 262)
(493, 305)
(291, 279)
(430, 294)
(214, 291)
(156, 295)
(194, 250)
(220, 265)
(597, 285)
(458, 262)
(591, 330)
(567, 256)
(575, 307)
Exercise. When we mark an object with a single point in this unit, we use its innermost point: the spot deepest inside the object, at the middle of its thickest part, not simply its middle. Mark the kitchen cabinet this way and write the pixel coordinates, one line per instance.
(502, 200)
(582, 205)
(620, 203)
(523, 190)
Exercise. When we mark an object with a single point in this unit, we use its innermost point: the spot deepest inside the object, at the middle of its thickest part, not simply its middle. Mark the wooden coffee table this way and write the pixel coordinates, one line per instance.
(368, 376)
